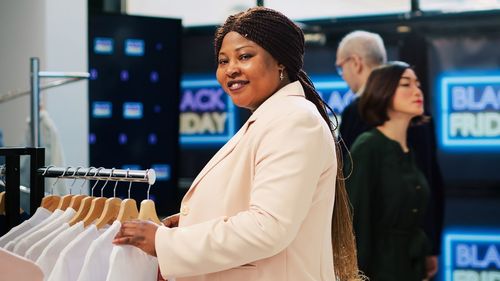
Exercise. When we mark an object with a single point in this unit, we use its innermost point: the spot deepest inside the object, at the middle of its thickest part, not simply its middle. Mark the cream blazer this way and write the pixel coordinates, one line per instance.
(261, 208)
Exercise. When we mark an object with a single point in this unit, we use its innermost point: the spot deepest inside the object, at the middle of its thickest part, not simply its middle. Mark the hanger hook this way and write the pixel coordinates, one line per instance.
(149, 187)
(106, 183)
(96, 173)
(47, 169)
(57, 179)
(73, 175)
(43, 174)
(130, 184)
(85, 178)
(114, 189)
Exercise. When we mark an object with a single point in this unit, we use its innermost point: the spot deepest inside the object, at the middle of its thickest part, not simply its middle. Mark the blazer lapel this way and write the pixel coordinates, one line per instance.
(292, 89)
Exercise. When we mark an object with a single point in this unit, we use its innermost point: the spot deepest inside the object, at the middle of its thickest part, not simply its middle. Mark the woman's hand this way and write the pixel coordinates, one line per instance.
(431, 265)
(139, 233)
(171, 221)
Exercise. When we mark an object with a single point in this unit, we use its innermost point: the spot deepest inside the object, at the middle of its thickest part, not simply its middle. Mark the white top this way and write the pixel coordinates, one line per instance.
(12, 244)
(129, 263)
(96, 264)
(70, 261)
(36, 250)
(36, 236)
(49, 255)
(40, 215)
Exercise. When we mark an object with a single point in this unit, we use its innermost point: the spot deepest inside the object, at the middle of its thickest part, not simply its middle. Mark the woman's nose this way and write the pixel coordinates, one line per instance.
(232, 70)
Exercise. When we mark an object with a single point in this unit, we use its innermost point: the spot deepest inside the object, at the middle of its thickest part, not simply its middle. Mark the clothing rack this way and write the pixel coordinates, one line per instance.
(35, 75)
(11, 172)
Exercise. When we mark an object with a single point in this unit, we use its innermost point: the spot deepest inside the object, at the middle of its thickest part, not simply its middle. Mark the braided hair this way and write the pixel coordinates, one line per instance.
(284, 40)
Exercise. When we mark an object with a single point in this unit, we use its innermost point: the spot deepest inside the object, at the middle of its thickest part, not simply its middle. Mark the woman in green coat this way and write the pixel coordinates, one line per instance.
(387, 191)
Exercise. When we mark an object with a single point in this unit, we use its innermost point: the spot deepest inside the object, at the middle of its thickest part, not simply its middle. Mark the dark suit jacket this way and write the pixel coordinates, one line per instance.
(422, 140)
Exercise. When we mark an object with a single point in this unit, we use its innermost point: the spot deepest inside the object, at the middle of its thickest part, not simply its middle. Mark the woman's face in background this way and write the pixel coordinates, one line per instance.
(246, 71)
(408, 98)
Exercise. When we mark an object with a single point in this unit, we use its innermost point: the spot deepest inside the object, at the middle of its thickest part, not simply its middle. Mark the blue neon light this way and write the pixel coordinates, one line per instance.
(102, 109)
(334, 91)
(134, 47)
(103, 46)
(198, 82)
(473, 83)
(490, 238)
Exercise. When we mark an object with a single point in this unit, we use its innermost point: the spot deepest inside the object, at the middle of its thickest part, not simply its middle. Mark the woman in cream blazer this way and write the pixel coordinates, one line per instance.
(261, 209)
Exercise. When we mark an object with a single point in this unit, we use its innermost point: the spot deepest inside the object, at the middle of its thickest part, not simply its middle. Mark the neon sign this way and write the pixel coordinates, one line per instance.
(206, 112)
(472, 257)
(469, 111)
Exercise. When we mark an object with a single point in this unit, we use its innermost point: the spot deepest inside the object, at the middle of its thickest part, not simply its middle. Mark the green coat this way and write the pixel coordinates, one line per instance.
(389, 195)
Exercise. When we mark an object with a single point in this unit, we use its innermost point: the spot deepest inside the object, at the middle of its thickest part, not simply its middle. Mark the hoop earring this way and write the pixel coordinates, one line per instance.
(281, 75)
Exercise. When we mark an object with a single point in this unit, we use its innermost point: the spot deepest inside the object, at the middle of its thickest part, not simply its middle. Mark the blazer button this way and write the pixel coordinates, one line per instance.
(184, 210)
(418, 187)
(414, 210)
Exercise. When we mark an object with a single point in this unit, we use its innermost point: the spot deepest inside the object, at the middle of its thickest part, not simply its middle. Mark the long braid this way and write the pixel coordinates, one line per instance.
(284, 40)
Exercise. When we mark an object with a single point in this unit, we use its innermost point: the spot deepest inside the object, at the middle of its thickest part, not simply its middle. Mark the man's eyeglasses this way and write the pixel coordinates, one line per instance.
(339, 66)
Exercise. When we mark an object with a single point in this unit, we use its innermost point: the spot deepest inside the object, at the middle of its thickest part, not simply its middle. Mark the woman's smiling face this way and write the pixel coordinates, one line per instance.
(246, 71)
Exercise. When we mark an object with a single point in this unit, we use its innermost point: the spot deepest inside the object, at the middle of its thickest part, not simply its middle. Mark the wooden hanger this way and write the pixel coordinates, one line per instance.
(128, 210)
(50, 202)
(64, 202)
(66, 199)
(148, 210)
(111, 208)
(96, 208)
(85, 203)
(82, 211)
(128, 207)
(109, 213)
(77, 199)
(2, 202)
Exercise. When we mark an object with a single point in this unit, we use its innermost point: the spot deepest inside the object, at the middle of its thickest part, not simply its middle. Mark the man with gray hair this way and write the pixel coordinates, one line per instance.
(359, 52)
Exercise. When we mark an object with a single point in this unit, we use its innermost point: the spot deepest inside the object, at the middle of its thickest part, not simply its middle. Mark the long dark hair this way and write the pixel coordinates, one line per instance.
(284, 40)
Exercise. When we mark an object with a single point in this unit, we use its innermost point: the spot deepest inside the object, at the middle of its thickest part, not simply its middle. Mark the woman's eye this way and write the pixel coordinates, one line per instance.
(222, 61)
(245, 56)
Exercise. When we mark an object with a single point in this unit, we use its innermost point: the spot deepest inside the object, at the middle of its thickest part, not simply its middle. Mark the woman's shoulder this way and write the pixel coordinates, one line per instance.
(367, 141)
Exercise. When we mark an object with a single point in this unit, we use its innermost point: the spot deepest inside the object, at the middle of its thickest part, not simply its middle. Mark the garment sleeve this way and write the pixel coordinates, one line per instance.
(360, 190)
(289, 158)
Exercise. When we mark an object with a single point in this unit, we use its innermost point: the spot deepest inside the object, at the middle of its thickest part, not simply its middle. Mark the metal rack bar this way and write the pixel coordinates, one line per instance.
(146, 176)
(58, 74)
(52, 84)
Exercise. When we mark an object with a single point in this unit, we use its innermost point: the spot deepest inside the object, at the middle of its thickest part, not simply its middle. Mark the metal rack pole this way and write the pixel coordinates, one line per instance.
(35, 102)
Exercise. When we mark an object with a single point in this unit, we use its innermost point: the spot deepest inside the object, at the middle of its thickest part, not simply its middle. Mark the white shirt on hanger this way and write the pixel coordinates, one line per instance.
(96, 264)
(40, 215)
(12, 244)
(36, 250)
(36, 236)
(129, 263)
(49, 255)
(70, 261)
